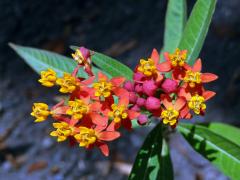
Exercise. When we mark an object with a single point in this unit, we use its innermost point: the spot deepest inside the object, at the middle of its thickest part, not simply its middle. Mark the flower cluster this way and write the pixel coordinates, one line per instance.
(96, 108)
(170, 90)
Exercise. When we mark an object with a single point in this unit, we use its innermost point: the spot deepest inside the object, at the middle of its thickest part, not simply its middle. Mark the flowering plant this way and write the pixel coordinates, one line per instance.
(161, 91)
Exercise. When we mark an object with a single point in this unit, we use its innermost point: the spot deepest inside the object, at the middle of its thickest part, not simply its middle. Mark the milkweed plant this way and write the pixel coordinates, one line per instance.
(165, 88)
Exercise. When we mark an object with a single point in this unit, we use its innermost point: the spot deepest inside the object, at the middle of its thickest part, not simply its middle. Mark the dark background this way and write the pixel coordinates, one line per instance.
(127, 30)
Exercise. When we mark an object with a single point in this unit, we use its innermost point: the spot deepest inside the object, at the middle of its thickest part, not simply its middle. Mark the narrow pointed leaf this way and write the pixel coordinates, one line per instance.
(150, 158)
(227, 131)
(196, 28)
(166, 163)
(223, 153)
(110, 65)
(174, 24)
(41, 60)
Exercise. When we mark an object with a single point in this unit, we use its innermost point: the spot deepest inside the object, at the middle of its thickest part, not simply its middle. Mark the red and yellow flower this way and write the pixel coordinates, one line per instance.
(172, 111)
(90, 137)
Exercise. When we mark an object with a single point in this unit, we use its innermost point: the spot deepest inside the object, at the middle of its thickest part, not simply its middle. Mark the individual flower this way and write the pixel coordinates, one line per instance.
(40, 111)
(120, 114)
(83, 57)
(77, 109)
(196, 102)
(172, 111)
(147, 69)
(48, 78)
(175, 62)
(68, 83)
(105, 87)
(89, 137)
(63, 131)
(194, 77)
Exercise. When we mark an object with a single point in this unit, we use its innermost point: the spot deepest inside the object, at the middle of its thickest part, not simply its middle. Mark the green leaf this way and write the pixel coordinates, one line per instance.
(110, 65)
(196, 28)
(227, 131)
(41, 60)
(174, 24)
(152, 162)
(220, 151)
(166, 163)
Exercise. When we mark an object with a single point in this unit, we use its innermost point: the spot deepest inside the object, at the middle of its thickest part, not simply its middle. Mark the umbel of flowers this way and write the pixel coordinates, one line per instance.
(98, 106)
(170, 90)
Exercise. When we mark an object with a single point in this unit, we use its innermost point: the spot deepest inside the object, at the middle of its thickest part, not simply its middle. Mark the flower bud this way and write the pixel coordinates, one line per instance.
(149, 88)
(136, 108)
(138, 88)
(132, 97)
(142, 119)
(169, 86)
(128, 85)
(138, 76)
(152, 103)
(85, 52)
(140, 101)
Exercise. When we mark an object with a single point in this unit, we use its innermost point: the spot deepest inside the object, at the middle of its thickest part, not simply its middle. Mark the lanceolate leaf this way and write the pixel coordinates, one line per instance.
(150, 158)
(166, 163)
(196, 28)
(217, 149)
(41, 60)
(174, 24)
(110, 65)
(227, 131)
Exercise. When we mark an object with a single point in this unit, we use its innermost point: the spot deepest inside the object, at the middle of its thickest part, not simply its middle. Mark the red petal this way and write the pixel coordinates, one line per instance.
(96, 106)
(113, 126)
(58, 104)
(164, 67)
(208, 77)
(104, 149)
(88, 81)
(102, 76)
(182, 93)
(124, 100)
(99, 120)
(167, 102)
(73, 122)
(117, 81)
(184, 113)
(155, 56)
(120, 92)
(197, 67)
(99, 128)
(187, 66)
(166, 56)
(133, 114)
(180, 102)
(208, 95)
(108, 135)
